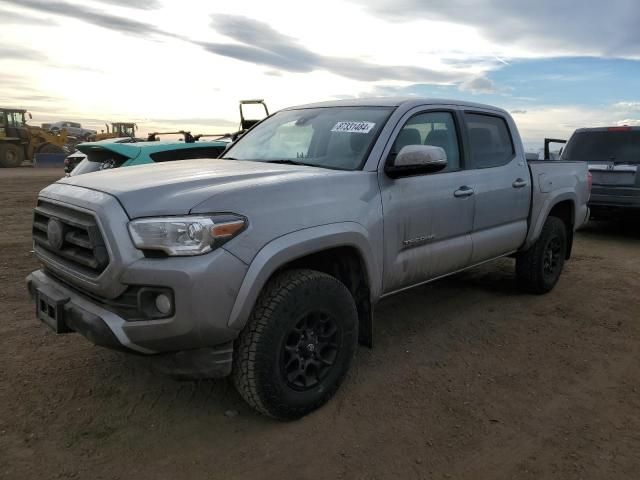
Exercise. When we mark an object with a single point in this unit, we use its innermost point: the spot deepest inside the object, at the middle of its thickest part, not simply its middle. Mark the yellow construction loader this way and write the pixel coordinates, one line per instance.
(19, 141)
(118, 130)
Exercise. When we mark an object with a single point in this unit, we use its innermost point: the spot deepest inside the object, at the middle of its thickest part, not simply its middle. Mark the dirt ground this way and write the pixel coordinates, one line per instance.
(469, 379)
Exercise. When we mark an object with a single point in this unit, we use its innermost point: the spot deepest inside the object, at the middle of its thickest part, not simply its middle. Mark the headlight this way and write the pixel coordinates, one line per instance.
(183, 236)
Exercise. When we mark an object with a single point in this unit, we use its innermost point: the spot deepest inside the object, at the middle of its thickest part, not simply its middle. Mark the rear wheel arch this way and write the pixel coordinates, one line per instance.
(565, 211)
(562, 205)
(538, 268)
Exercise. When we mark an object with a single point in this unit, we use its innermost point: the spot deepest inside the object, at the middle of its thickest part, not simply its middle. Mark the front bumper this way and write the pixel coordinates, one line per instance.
(195, 342)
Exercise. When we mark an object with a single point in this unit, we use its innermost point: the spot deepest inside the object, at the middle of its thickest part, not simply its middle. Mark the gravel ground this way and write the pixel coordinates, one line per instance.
(469, 378)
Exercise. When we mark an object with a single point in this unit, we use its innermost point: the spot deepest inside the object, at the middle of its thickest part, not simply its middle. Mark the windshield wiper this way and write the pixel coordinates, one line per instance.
(292, 162)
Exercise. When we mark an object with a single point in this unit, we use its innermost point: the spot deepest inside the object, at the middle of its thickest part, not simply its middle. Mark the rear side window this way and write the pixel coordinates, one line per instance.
(617, 146)
(187, 154)
(489, 140)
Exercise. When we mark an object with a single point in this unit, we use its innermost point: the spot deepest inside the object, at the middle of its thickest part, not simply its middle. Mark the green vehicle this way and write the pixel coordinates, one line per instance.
(106, 154)
(129, 151)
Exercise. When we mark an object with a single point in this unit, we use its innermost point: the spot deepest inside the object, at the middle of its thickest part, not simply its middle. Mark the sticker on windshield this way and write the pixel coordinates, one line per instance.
(353, 127)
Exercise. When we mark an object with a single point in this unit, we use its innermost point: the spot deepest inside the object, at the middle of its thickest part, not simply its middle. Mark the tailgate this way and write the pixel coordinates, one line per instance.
(610, 174)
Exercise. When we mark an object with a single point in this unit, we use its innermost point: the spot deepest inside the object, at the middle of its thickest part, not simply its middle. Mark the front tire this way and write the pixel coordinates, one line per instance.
(539, 268)
(298, 344)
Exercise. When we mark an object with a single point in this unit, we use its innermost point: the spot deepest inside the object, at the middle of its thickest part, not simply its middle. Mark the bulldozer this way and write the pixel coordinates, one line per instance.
(20, 141)
(118, 130)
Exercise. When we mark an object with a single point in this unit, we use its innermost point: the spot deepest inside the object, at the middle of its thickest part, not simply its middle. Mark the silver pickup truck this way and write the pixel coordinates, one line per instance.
(266, 264)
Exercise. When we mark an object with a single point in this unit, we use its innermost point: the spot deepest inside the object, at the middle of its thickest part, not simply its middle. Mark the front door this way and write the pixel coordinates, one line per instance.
(428, 218)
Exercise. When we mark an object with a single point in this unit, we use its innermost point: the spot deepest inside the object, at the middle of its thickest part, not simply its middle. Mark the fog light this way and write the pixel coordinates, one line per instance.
(163, 304)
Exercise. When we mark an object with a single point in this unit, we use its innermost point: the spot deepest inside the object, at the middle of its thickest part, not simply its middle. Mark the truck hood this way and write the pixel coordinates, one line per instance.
(177, 188)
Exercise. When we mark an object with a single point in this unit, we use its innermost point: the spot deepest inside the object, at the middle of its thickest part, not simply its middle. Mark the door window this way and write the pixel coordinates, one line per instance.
(437, 129)
(489, 140)
(16, 119)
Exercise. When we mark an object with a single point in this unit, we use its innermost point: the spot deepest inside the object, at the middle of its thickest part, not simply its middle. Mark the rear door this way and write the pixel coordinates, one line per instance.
(427, 218)
(501, 182)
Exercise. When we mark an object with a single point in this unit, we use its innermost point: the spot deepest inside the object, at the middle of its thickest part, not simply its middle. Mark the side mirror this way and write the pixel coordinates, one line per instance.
(417, 159)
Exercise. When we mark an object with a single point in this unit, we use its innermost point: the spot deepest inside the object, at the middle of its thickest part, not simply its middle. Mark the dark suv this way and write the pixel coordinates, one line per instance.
(613, 155)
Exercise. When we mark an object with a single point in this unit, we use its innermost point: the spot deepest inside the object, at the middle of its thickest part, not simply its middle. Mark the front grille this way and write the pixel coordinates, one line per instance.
(69, 237)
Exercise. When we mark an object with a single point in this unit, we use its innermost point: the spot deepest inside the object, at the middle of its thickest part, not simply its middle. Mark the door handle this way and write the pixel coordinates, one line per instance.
(519, 183)
(463, 192)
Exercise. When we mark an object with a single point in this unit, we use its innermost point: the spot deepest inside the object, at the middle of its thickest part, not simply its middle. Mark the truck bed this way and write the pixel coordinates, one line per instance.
(556, 181)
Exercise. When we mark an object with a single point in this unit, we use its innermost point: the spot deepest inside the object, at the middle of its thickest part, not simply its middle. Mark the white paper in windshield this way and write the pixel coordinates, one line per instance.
(353, 127)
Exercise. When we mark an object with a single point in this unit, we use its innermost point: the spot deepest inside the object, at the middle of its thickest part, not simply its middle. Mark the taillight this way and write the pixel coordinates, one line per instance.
(589, 181)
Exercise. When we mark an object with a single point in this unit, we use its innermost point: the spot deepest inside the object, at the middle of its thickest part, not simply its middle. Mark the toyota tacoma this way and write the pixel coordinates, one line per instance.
(266, 264)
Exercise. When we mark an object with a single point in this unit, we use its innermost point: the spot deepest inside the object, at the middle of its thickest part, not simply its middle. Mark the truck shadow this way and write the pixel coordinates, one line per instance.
(628, 229)
(433, 311)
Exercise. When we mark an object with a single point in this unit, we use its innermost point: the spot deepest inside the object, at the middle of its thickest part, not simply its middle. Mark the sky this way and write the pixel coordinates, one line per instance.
(555, 65)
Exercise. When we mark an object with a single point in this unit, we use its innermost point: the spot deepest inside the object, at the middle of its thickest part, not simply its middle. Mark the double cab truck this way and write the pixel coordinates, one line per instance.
(266, 264)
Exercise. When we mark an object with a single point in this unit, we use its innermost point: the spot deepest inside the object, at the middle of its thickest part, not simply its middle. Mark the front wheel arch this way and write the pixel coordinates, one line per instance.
(296, 247)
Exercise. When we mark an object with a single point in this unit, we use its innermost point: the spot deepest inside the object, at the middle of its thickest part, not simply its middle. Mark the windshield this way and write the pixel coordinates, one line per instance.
(617, 146)
(330, 137)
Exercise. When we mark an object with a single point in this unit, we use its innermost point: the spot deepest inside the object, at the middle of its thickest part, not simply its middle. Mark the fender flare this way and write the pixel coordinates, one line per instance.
(545, 210)
(295, 245)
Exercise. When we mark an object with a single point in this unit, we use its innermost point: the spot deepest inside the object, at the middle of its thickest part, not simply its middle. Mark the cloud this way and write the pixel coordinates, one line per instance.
(634, 122)
(479, 85)
(484, 62)
(551, 121)
(518, 112)
(11, 17)
(37, 98)
(140, 4)
(578, 26)
(12, 52)
(260, 43)
(92, 16)
(631, 106)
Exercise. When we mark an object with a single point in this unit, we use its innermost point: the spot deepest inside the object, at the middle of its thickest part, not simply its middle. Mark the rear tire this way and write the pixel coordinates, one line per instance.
(11, 155)
(539, 268)
(298, 345)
